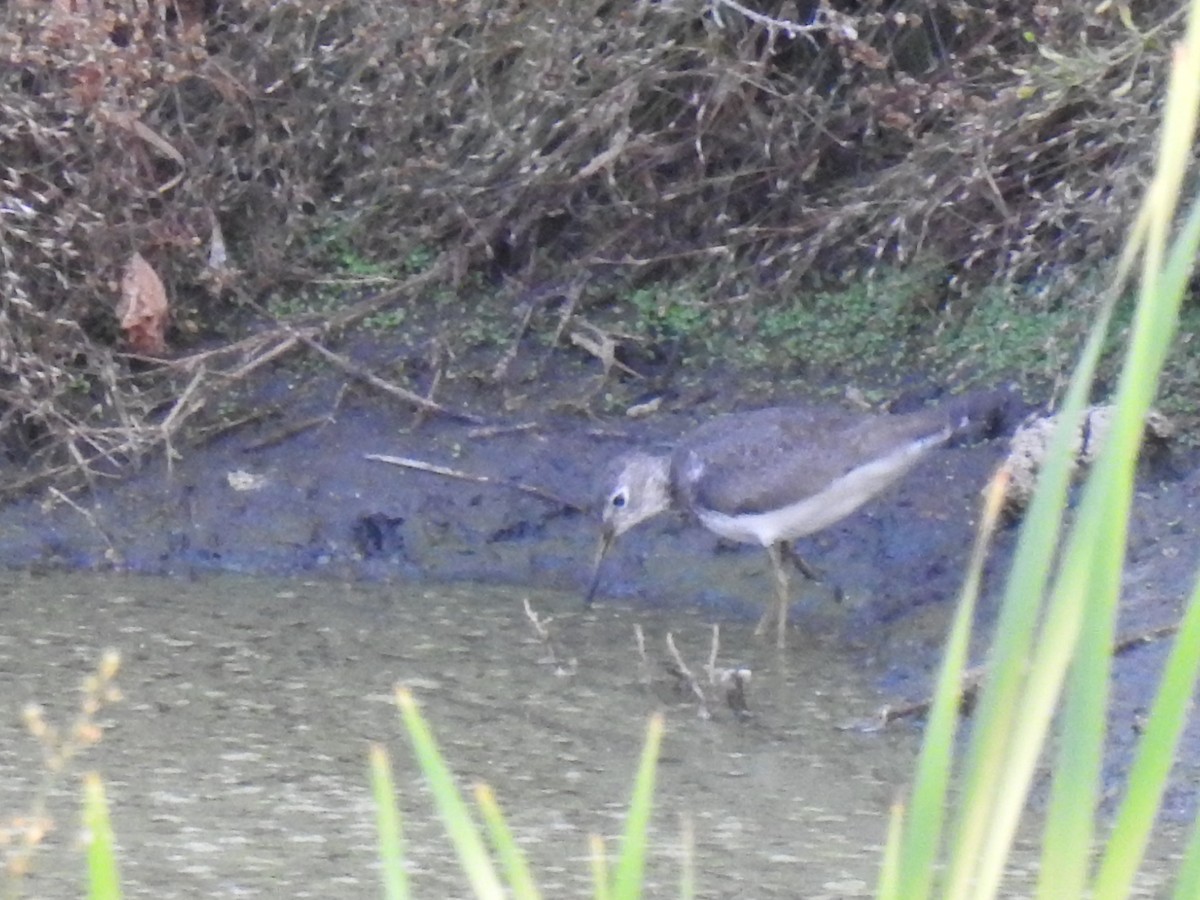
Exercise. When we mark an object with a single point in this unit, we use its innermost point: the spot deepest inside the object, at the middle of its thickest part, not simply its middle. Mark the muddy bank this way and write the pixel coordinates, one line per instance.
(271, 498)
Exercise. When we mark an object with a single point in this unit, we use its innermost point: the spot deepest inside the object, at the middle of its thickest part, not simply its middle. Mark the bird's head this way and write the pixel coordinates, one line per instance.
(634, 487)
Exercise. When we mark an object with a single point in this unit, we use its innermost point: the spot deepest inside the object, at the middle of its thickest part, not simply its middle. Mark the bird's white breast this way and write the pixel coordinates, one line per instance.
(839, 499)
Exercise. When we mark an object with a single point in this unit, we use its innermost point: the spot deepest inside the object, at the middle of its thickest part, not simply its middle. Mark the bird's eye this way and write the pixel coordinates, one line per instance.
(618, 499)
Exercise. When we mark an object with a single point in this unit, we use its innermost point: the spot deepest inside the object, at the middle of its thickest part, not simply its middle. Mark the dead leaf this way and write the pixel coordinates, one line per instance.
(143, 308)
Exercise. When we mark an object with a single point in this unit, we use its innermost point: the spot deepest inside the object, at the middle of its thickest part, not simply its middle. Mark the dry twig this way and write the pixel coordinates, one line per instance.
(355, 371)
(487, 431)
(643, 660)
(113, 555)
(543, 634)
(679, 669)
(447, 472)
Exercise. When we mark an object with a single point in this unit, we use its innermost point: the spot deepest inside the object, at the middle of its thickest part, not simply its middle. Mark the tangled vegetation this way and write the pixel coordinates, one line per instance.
(245, 149)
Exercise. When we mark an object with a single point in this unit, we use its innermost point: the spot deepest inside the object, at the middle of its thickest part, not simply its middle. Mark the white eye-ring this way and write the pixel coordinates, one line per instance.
(619, 499)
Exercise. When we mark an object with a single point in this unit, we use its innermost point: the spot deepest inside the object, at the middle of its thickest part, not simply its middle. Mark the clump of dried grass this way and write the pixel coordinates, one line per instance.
(1007, 139)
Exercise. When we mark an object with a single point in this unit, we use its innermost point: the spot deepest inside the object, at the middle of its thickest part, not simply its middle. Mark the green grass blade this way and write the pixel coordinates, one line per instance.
(599, 861)
(516, 868)
(996, 713)
(687, 857)
(103, 880)
(627, 878)
(1088, 603)
(1148, 775)
(1155, 755)
(1187, 884)
(1070, 818)
(456, 817)
(1082, 602)
(889, 869)
(923, 831)
(1069, 835)
(1021, 693)
(1085, 595)
(1001, 761)
(1047, 673)
(387, 825)
(1166, 284)
(998, 707)
(1182, 108)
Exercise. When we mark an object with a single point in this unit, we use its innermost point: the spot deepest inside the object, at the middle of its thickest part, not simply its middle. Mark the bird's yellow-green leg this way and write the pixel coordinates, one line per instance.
(776, 553)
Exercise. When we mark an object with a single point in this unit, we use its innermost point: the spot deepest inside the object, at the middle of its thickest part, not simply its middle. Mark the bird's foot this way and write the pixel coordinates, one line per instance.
(809, 571)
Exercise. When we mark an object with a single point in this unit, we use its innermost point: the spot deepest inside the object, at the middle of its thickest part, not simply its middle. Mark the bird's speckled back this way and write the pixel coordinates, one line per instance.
(757, 461)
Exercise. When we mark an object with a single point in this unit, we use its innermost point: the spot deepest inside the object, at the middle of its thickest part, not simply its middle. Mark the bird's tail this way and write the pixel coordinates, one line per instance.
(982, 415)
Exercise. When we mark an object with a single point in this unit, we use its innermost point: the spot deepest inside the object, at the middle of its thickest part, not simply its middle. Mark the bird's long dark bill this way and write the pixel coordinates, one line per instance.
(606, 540)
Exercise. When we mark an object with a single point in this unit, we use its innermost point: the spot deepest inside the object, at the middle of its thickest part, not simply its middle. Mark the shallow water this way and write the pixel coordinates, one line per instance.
(236, 763)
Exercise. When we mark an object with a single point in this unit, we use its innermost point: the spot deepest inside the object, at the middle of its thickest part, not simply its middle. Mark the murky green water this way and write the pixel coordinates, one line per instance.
(236, 764)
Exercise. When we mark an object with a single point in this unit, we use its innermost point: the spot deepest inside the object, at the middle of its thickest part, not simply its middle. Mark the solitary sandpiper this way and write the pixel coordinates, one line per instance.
(771, 476)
